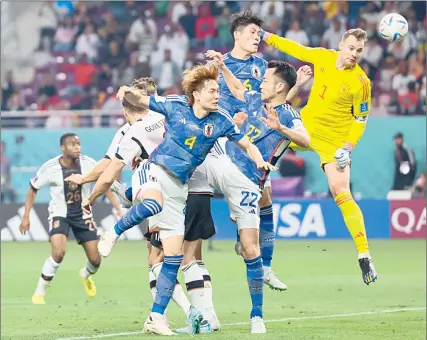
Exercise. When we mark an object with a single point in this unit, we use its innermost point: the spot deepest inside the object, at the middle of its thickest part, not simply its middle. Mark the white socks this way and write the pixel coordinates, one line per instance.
(48, 272)
(88, 270)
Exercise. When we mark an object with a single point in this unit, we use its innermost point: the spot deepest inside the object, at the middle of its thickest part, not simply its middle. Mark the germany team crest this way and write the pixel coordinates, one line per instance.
(208, 130)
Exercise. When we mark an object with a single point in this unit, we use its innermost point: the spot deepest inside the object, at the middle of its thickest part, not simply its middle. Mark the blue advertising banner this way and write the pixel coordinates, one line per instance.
(310, 219)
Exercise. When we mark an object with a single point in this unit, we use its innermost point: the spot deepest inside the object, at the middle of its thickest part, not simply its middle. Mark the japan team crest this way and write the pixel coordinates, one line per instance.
(208, 130)
(256, 72)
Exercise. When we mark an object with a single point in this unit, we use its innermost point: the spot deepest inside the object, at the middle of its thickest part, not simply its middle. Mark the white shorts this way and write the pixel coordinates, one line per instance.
(198, 183)
(241, 193)
(170, 221)
(219, 147)
(268, 182)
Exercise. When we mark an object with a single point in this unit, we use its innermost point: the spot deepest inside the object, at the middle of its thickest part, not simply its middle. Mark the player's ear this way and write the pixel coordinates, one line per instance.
(280, 86)
(340, 44)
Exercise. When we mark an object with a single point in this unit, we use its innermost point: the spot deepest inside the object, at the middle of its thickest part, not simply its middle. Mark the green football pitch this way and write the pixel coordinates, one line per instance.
(327, 298)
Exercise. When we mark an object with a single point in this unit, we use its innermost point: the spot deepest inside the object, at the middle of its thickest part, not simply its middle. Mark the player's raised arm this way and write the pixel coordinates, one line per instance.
(361, 109)
(235, 86)
(304, 74)
(293, 48)
(255, 154)
(293, 128)
(134, 96)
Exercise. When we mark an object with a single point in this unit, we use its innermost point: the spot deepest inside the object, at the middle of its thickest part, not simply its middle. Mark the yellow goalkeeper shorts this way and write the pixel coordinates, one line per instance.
(324, 148)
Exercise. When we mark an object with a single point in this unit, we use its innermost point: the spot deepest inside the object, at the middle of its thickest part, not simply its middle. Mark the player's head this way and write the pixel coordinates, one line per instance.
(279, 78)
(351, 46)
(200, 84)
(398, 139)
(70, 145)
(148, 87)
(245, 28)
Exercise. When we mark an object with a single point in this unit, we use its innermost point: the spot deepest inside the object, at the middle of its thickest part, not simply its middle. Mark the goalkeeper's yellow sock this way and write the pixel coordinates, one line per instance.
(353, 219)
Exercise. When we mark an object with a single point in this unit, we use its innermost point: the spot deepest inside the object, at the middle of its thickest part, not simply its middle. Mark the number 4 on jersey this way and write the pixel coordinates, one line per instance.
(190, 142)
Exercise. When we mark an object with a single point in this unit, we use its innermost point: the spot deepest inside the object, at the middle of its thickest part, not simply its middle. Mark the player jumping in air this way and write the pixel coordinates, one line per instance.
(236, 176)
(335, 117)
(147, 134)
(65, 213)
(193, 124)
(245, 28)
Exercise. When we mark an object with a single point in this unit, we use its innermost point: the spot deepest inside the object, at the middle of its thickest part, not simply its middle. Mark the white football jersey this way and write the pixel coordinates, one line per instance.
(142, 138)
(66, 197)
(112, 149)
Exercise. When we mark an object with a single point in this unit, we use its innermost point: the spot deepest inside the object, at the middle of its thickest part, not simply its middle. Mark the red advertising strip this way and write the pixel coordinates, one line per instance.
(408, 219)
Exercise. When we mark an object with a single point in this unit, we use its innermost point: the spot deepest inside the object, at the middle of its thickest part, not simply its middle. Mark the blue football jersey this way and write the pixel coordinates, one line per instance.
(270, 142)
(250, 72)
(188, 139)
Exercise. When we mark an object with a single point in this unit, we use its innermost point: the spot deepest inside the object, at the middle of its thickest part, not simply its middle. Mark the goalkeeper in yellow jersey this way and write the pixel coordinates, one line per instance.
(335, 117)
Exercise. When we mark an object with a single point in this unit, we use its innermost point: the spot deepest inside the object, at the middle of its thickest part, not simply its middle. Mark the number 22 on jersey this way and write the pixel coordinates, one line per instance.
(253, 133)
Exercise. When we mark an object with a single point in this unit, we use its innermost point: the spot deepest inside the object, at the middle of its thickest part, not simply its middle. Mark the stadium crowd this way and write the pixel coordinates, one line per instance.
(90, 48)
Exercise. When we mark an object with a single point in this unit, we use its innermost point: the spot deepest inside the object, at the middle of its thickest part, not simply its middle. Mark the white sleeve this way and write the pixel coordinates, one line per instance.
(43, 176)
(112, 149)
(130, 147)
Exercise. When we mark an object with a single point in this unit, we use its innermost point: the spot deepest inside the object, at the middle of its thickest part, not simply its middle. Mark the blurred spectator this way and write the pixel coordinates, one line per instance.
(188, 22)
(88, 43)
(64, 36)
(419, 189)
(297, 34)
(139, 28)
(83, 71)
(64, 8)
(409, 103)
(224, 36)
(165, 73)
(104, 77)
(48, 20)
(6, 188)
(205, 26)
(373, 54)
(313, 24)
(399, 49)
(402, 78)
(404, 164)
(8, 88)
(272, 16)
(174, 40)
(47, 87)
(14, 103)
(333, 34)
(292, 165)
(176, 10)
(417, 63)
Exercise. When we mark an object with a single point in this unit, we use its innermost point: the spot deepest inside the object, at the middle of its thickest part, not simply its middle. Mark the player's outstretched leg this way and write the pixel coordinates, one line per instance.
(267, 237)
(91, 267)
(249, 239)
(339, 184)
(150, 205)
(51, 265)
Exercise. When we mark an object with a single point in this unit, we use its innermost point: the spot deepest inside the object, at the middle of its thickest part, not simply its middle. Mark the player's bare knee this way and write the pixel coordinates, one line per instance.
(266, 200)
(153, 194)
(58, 255)
(250, 251)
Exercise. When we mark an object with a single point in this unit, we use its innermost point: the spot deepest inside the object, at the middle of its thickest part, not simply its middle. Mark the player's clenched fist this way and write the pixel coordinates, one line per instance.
(216, 57)
(240, 118)
(304, 73)
(75, 178)
(342, 157)
(87, 206)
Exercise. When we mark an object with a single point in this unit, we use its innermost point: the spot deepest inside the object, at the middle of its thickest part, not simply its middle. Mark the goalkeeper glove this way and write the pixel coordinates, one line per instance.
(342, 157)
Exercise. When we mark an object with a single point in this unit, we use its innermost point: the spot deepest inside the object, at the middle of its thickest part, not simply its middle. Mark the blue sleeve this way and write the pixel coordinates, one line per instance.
(291, 119)
(166, 105)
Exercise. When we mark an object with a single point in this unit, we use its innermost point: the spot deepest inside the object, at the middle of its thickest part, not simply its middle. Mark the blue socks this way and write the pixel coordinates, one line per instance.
(266, 235)
(136, 214)
(255, 276)
(166, 282)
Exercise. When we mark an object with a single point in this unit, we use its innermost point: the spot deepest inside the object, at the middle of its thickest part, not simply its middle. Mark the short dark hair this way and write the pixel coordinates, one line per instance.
(144, 84)
(243, 19)
(284, 71)
(65, 136)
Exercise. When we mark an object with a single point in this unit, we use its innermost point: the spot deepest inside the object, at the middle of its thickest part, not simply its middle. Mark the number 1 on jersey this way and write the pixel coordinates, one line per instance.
(323, 93)
(190, 141)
